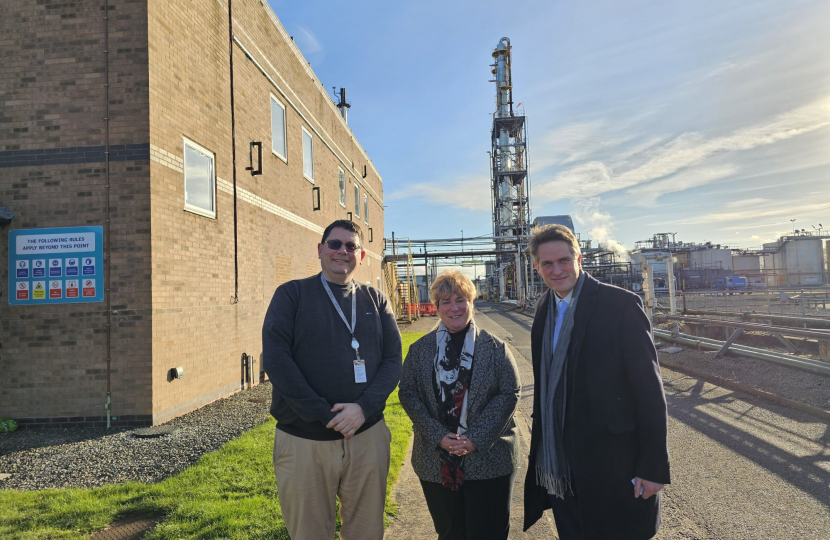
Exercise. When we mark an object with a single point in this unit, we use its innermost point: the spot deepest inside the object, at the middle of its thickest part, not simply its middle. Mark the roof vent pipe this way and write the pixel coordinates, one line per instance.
(343, 105)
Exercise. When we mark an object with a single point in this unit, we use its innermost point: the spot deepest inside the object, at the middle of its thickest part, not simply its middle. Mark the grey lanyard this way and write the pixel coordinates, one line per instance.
(350, 327)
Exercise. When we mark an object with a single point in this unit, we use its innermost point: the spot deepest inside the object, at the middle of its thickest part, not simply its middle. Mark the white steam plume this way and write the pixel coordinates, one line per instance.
(600, 225)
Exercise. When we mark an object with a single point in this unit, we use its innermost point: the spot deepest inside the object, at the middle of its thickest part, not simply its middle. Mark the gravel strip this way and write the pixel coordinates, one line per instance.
(86, 458)
(807, 388)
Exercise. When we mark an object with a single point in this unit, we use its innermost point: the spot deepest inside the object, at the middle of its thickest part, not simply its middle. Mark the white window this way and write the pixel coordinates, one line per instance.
(356, 201)
(199, 180)
(308, 156)
(365, 208)
(278, 129)
(342, 188)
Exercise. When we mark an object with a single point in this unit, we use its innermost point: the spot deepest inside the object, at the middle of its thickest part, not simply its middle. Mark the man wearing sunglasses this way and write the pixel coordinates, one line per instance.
(332, 350)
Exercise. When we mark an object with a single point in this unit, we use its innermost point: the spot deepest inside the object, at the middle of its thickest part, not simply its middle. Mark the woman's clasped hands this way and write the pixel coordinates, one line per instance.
(457, 445)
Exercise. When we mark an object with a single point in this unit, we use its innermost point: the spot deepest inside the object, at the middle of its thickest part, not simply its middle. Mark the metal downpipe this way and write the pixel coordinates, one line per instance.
(107, 236)
(235, 298)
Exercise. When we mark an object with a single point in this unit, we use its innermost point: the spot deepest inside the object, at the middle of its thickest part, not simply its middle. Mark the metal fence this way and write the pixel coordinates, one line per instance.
(798, 302)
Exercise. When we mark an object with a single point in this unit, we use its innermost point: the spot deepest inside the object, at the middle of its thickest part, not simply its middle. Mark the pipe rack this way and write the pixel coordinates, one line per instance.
(788, 330)
(749, 315)
(788, 360)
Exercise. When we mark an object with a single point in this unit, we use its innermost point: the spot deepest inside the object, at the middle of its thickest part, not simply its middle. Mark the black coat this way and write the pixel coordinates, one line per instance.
(615, 420)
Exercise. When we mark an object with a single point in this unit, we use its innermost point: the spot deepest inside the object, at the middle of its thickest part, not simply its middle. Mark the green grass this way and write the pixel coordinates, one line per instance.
(401, 427)
(230, 493)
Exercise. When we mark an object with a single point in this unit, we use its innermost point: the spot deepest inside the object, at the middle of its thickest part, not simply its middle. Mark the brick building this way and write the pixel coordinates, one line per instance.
(191, 267)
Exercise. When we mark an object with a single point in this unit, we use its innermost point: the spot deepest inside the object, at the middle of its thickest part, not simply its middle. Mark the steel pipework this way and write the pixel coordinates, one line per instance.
(810, 366)
(759, 316)
(786, 330)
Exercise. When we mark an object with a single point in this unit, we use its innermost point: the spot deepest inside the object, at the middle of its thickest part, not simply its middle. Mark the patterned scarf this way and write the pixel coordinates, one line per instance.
(452, 381)
(552, 470)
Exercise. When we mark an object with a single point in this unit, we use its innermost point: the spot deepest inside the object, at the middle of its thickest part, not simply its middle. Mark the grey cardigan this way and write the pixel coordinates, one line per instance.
(491, 401)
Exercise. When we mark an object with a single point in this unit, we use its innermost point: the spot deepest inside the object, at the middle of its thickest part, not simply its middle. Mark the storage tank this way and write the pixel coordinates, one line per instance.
(712, 258)
(774, 269)
(746, 263)
(804, 261)
(748, 266)
(554, 220)
(827, 261)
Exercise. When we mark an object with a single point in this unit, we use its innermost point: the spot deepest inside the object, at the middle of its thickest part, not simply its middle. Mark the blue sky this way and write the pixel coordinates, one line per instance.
(708, 119)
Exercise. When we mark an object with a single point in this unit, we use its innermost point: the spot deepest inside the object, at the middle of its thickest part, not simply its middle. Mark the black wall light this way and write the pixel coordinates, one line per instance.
(364, 171)
(258, 146)
(350, 216)
(315, 198)
(371, 235)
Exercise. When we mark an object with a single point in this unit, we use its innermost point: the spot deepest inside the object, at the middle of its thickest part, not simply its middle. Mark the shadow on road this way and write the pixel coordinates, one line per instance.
(690, 407)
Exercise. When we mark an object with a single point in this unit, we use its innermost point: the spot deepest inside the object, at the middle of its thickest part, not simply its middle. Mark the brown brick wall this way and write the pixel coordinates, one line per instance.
(283, 269)
(195, 325)
(172, 270)
(53, 357)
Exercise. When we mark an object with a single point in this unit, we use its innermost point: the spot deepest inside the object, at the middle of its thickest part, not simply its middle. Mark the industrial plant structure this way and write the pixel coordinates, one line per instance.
(798, 260)
(510, 183)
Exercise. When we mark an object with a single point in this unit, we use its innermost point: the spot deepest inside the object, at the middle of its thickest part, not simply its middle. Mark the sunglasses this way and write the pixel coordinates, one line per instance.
(335, 245)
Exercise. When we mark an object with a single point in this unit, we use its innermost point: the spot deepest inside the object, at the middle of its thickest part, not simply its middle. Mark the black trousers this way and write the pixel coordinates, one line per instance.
(566, 515)
(480, 510)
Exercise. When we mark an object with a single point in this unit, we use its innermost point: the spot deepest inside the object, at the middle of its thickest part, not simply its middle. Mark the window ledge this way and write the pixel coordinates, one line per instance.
(200, 211)
(280, 156)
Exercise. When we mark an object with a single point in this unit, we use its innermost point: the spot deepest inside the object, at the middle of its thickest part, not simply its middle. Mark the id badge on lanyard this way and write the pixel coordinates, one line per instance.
(359, 370)
(358, 363)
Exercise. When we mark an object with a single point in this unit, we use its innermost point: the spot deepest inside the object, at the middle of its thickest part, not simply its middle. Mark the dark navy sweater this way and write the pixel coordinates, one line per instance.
(308, 357)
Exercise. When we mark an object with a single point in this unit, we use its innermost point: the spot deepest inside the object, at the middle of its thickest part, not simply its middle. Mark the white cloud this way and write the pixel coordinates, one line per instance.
(308, 41)
(573, 143)
(753, 214)
(688, 150)
(753, 202)
(582, 181)
(470, 193)
(647, 194)
(639, 150)
(744, 227)
(727, 67)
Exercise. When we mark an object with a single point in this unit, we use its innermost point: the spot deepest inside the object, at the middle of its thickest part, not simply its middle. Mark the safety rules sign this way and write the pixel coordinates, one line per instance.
(56, 266)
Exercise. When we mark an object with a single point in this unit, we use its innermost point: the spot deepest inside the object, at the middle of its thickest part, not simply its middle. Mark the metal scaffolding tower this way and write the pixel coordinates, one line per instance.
(510, 183)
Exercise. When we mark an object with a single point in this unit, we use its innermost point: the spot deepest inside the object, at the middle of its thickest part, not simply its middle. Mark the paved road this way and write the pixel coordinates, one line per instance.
(742, 468)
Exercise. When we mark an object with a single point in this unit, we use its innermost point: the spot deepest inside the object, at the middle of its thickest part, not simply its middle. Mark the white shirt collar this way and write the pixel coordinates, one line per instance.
(566, 299)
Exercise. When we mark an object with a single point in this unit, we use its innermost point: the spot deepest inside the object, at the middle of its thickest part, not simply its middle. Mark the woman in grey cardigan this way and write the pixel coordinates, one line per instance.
(460, 387)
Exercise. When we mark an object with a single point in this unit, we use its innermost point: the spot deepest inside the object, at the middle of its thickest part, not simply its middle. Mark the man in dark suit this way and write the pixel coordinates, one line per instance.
(598, 453)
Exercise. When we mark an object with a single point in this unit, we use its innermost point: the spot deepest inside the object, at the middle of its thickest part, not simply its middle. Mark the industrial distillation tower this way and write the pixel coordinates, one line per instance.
(510, 183)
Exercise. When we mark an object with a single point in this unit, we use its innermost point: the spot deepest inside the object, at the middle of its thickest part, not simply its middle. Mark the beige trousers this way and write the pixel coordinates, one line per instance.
(311, 473)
